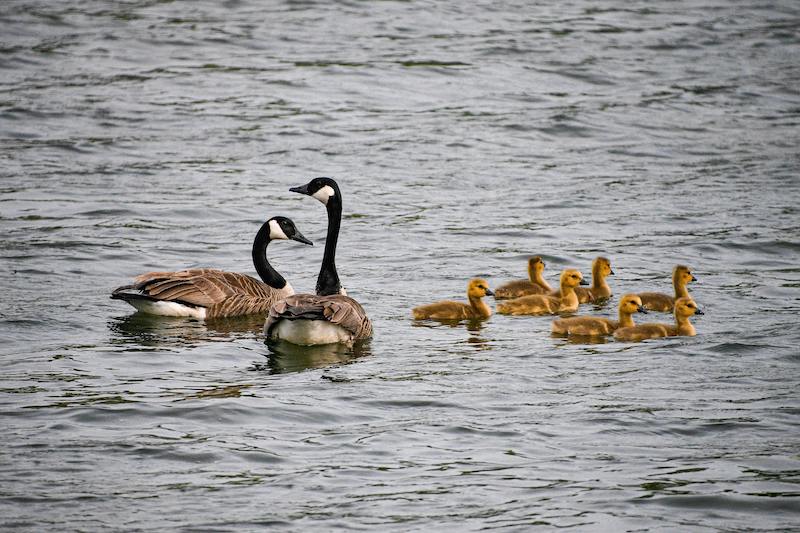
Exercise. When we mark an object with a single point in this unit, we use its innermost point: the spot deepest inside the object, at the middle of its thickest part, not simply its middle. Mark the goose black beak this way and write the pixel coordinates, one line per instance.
(641, 309)
(303, 189)
(694, 278)
(584, 282)
(489, 292)
(698, 311)
(610, 272)
(300, 238)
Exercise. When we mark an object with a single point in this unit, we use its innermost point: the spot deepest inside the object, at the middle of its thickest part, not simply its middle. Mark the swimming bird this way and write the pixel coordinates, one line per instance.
(329, 316)
(594, 325)
(601, 267)
(685, 307)
(208, 293)
(450, 310)
(544, 304)
(658, 301)
(535, 284)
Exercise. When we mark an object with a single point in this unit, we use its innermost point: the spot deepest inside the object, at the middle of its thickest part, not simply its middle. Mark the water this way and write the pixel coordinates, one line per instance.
(466, 136)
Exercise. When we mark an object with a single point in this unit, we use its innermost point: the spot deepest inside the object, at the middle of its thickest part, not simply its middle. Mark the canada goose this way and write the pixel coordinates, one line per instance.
(601, 267)
(657, 301)
(450, 310)
(535, 284)
(329, 316)
(684, 308)
(209, 293)
(593, 325)
(544, 304)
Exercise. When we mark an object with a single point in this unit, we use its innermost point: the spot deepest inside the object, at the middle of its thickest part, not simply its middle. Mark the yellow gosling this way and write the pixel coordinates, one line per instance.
(658, 301)
(601, 267)
(685, 307)
(545, 304)
(595, 326)
(535, 284)
(450, 310)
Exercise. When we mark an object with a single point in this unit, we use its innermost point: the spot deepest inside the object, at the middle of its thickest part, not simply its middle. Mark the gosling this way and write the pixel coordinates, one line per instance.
(450, 310)
(535, 284)
(684, 308)
(591, 326)
(601, 268)
(658, 301)
(545, 304)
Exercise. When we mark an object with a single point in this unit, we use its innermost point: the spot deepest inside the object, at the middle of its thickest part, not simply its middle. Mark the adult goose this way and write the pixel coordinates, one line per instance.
(329, 316)
(207, 293)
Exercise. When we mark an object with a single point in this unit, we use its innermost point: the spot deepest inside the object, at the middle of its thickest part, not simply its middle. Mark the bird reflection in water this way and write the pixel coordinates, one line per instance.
(580, 339)
(287, 357)
(474, 327)
(149, 331)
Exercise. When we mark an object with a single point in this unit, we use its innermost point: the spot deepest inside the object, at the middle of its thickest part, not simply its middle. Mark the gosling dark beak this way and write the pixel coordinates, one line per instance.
(300, 238)
(303, 189)
(641, 309)
(610, 272)
(489, 292)
(698, 311)
(694, 278)
(584, 282)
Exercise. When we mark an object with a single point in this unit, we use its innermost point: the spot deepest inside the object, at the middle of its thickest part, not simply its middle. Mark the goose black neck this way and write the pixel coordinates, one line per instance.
(265, 271)
(328, 279)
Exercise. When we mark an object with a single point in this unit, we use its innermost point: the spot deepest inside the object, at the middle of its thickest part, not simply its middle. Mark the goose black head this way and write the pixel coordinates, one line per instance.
(323, 189)
(282, 228)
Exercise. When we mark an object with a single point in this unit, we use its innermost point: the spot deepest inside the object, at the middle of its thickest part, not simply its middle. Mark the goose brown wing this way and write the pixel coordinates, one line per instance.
(205, 287)
(336, 309)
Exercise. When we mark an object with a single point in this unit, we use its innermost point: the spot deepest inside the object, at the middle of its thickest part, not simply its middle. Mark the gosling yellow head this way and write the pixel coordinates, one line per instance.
(535, 265)
(682, 274)
(478, 288)
(602, 266)
(630, 304)
(572, 278)
(686, 307)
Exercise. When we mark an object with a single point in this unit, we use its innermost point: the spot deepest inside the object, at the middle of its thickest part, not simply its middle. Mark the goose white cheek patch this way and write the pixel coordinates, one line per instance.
(324, 194)
(275, 231)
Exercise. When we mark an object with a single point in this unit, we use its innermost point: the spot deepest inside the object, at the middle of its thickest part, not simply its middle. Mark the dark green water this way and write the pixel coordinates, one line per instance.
(147, 135)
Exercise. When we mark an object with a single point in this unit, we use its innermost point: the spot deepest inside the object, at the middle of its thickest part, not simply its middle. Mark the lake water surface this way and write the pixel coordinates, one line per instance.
(466, 136)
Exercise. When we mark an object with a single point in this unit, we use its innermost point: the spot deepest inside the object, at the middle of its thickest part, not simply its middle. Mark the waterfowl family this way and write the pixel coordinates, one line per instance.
(592, 326)
(685, 307)
(658, 301)
(208, 293)
(329, 316)
(535, 284)
(450, 310)
(542, 304)
(599, 290)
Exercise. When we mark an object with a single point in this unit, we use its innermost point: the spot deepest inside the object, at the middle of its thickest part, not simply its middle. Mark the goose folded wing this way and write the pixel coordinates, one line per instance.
(240, 304)
(203, 287)
(336, 309)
